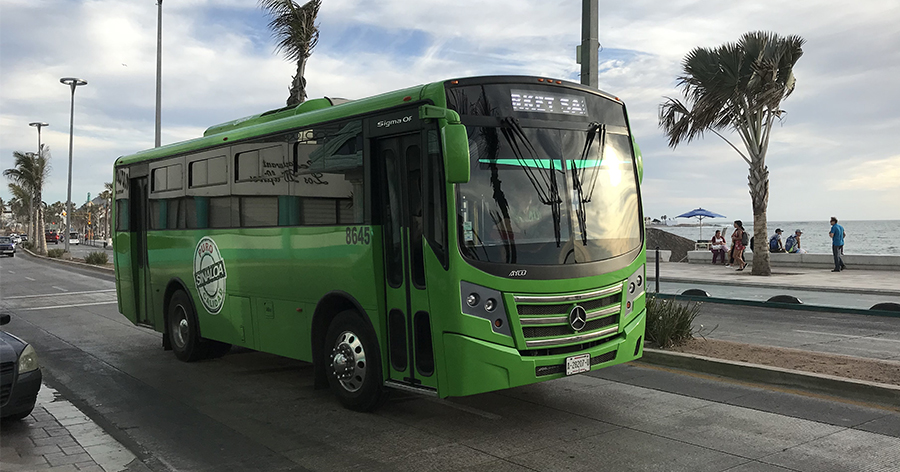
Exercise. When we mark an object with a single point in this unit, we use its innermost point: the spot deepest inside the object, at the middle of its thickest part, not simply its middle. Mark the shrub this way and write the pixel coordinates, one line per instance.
(28, 245)
(669, 321)
(56, 253)
(96, 258)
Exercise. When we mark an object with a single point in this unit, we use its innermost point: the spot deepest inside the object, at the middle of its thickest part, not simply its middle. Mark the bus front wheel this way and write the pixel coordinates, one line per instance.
(354, 362)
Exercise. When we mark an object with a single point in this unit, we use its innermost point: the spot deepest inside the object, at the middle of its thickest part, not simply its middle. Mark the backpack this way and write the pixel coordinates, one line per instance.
(745, 238)
(773, 243)
(791, 243)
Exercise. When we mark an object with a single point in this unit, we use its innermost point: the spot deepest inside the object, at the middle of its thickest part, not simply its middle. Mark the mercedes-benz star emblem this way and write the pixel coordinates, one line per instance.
(577, 318)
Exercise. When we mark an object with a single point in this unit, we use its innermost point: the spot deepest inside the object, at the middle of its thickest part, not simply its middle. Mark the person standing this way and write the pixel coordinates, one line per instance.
(739, 240)
(837, 234)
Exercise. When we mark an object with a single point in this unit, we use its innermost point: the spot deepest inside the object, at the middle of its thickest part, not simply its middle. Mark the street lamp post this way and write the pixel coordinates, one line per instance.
(159, 75)
(72, 82)
(34, 228)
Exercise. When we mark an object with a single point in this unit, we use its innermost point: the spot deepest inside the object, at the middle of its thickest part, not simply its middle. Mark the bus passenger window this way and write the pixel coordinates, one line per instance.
(259, 211)
(220, 212)
(157, 214)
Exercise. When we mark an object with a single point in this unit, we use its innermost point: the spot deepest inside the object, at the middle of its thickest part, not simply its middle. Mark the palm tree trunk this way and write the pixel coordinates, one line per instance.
(42, 241)
(298, 85)
(759, 194)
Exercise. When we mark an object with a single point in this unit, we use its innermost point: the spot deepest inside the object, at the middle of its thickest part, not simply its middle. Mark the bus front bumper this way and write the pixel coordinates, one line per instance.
(476, 366)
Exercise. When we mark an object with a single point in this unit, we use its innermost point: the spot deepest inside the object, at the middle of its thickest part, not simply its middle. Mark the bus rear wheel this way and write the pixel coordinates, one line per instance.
(354, 362)
(184, 330)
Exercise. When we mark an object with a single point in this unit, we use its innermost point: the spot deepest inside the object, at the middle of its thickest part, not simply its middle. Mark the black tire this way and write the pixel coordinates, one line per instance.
(17, 416)
(353, 362)
(183, 329)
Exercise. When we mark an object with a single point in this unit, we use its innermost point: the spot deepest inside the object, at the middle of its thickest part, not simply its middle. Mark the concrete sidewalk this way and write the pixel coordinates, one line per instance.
(57, 436)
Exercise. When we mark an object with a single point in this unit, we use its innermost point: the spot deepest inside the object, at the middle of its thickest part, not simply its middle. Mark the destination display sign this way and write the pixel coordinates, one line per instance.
(542, 102)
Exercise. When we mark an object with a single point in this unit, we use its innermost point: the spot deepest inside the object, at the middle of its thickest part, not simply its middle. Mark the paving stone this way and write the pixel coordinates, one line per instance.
(57, 431)
(62, 459)
(89, 467)
(60, 441)
(38, 450)
(69, 450)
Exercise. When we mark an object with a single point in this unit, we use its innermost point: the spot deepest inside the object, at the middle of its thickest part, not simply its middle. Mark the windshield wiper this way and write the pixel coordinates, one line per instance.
(549, 193)
(581, 211)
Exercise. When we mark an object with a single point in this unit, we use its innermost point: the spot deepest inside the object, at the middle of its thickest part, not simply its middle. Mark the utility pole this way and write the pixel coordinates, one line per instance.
(159, 74)
(590, 42)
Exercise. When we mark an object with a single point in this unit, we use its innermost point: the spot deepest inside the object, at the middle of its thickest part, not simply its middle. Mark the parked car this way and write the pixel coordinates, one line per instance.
(24, 237)
(7, 247)
(74, 238)
(51, 237)
(20, 375)
(16, 239)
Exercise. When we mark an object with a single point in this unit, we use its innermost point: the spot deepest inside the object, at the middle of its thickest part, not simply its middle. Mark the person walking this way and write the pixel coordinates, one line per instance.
(739, 240)
(837, 234)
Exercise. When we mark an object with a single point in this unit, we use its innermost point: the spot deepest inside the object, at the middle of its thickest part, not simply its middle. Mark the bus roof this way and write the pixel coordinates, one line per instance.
(273, 121)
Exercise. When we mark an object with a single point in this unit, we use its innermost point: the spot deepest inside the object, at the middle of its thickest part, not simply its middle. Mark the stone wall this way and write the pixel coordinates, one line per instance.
(670, 242)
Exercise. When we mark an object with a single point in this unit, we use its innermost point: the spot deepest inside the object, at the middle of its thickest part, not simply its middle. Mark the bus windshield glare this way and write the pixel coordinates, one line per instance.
(540, 195)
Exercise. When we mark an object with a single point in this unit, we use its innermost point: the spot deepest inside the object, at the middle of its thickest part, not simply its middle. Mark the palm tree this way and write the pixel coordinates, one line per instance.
(106, 195)
(295, 28)
(29, 172)
(737, 86)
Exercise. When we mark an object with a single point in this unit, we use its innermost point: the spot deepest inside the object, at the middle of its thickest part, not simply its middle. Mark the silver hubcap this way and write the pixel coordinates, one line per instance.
(180, 328)
(348, 361)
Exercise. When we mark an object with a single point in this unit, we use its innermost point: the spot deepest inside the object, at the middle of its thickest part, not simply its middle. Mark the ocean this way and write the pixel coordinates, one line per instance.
(863, 237)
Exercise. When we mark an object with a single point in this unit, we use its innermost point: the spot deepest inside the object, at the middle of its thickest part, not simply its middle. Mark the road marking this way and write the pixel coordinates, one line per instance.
(11, 272)
(29, 278)
(67, 306)
(59, 288)
(58, 294)
(873, 338)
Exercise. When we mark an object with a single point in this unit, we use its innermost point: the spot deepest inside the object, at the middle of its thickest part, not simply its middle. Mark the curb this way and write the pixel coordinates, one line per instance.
(80, 265)
(850, 389)
(779, 305)
(810, 288)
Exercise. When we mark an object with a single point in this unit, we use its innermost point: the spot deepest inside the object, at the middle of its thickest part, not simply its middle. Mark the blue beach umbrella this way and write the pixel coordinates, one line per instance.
(700, 213)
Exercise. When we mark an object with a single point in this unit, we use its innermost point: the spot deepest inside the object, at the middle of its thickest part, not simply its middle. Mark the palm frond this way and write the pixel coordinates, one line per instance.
(293, 26)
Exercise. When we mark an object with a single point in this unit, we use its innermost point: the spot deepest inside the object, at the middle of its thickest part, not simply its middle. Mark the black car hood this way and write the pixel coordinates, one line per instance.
(10, 347)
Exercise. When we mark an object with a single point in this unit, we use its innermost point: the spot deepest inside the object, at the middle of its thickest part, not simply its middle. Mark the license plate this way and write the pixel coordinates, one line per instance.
(578, 364)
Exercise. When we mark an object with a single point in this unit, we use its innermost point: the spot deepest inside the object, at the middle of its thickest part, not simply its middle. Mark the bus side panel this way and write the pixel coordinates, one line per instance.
(313, 263)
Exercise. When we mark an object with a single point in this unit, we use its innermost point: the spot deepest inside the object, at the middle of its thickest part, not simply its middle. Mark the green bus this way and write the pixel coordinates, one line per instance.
(452, 238)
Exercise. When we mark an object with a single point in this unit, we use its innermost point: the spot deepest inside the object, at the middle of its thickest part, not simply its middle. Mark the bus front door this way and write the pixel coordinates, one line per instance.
(139, 263)
(409, 337)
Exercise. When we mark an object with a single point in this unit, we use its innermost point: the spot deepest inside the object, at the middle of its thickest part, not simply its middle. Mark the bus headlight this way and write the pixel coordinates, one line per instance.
(491, 309)
(28, 360)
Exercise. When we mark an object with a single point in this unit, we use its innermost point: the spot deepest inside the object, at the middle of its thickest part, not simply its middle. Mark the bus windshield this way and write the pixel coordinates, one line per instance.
(545, 196)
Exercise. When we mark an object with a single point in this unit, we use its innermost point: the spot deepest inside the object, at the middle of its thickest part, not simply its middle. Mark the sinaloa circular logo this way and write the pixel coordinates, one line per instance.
(209, 275)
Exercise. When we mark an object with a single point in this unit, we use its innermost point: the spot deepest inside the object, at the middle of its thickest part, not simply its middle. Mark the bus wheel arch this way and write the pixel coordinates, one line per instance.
(327, 310)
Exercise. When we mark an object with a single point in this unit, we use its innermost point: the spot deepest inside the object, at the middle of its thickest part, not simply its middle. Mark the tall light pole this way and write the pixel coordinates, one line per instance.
(72, 82)
(590, 42)
(159, 74)
(34, 228)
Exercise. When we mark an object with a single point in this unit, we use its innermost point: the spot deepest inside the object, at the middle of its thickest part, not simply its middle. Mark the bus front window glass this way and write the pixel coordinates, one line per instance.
(533, 198)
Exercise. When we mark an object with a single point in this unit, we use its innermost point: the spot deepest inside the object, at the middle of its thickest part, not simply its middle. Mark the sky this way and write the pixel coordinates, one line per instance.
(835, 152)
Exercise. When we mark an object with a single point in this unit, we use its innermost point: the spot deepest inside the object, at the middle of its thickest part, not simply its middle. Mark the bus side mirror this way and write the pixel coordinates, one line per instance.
(455, 142)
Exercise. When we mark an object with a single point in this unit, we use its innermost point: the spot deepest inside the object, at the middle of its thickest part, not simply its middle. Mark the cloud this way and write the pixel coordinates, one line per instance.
(836, 146)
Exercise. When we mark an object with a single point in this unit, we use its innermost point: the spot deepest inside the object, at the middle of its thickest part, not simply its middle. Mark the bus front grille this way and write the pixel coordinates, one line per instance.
(545, 320)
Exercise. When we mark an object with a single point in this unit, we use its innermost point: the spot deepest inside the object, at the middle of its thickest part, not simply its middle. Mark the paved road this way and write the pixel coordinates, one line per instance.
(877, 337)
(253, 411)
